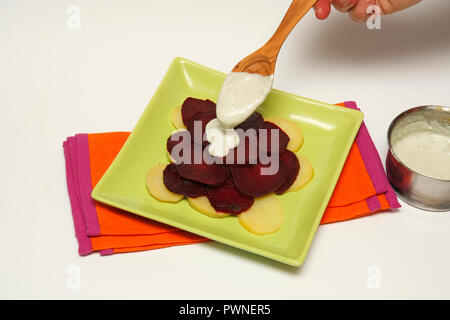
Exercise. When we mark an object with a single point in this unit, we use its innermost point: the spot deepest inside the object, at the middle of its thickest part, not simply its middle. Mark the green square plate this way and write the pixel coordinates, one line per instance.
(328, 132)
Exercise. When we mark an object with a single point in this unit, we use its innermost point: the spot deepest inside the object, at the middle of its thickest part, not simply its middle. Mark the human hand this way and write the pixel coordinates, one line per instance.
(357, 9)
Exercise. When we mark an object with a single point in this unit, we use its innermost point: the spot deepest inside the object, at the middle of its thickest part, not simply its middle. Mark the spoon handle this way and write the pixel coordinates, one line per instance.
(295, 12)
(263, 60)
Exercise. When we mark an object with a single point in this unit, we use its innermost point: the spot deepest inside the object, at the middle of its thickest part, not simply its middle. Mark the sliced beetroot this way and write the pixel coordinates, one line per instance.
(252, 182)
(228, 199)
(211, 174)
(255, 121)
(291, 166)
(202, 118)
(174, 139)
(266, 146)
(247, 150)
(196, 153)
(180, 137)
(170, 143)
(192, 106)
(177, 184)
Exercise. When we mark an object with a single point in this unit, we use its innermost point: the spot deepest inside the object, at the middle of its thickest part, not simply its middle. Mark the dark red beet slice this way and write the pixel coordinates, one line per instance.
(255, 121)
(192, 106)
(203, 118)
(247, 150)
(250, 181)
(210, 174)
(290, 164)
(175, 183)
(170, 143)
(182, 137)
(266, 146)
(182, 141)
(228, 199)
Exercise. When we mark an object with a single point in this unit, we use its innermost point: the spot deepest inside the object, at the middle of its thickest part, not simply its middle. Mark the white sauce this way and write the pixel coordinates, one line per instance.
(239, 97)
(426, 152)
(221, 140)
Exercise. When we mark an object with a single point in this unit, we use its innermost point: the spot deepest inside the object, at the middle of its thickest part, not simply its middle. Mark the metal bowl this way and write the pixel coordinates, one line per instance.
(418, 190)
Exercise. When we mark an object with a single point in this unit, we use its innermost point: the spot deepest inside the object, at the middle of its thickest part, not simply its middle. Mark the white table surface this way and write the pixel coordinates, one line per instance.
(55, 82)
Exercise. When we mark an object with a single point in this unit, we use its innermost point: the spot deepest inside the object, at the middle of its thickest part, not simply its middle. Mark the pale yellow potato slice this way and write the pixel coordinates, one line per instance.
(304, 175)
(292, 130)
(202, 205)
(264, 216)
(156, 186)
(176, 119)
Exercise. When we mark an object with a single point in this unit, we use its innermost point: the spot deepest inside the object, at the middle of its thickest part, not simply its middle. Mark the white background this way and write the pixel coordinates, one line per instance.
(55, 82)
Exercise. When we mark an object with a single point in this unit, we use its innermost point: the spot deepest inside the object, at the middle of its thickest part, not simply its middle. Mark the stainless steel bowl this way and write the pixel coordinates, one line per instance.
(415, 188)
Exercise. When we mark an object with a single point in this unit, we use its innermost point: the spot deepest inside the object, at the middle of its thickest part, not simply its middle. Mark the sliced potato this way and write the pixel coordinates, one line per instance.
(202, 205)
(176, 118)
(292, 130)
(156, 186)
(264, 217)
(304, 175)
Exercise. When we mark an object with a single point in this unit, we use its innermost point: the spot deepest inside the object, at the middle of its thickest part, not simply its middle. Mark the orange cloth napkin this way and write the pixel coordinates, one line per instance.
(362, 189)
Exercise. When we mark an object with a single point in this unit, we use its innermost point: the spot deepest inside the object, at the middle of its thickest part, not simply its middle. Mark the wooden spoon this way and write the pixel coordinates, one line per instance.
(263, 60)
